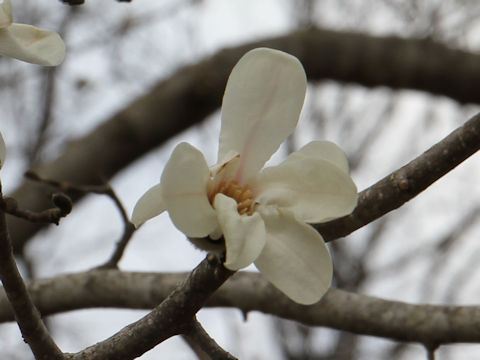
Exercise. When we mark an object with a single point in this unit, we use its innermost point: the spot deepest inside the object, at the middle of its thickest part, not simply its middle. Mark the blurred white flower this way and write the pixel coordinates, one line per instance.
(262, 214)
(28, 43)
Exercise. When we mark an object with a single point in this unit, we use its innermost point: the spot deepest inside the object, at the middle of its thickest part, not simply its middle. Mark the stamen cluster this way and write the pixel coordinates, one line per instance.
(242, 194)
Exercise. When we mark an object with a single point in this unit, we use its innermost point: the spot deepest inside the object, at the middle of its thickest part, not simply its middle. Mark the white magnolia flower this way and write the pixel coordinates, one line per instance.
(262, 214)
(28, 43)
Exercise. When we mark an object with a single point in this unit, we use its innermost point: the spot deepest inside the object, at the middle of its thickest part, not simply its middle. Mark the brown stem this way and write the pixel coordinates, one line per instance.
(338, 309)
(27, 316)
(128, 230)
(172, 317)
(198, 336)
(63, 207)
(105, 189)
(407, 182)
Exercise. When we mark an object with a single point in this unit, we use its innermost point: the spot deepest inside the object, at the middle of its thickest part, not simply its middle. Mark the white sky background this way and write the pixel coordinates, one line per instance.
(179, 36)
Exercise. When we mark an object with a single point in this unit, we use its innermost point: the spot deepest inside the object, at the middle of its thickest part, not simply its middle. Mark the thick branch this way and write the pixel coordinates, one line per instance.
(407, 182)
(427, 324)
(195, 91)
(172, 317)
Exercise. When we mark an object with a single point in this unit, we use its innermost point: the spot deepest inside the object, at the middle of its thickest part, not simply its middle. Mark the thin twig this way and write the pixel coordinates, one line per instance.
(104, 189)
(48, 90)
(27, 316)
(197, 334)
(63, 207)
(117, 254)
(128, 230)
(67, 187)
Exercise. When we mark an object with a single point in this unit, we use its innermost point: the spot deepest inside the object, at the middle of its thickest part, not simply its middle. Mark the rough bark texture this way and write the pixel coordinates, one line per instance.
(402, 185)
(19, 301)
(427, 324)
(195, 91)
(173, 316)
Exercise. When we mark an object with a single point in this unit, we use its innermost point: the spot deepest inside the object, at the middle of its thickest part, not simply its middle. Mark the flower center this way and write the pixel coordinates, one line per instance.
(242, 194)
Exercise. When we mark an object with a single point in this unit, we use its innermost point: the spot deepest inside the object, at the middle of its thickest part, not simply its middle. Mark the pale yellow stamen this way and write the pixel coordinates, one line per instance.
(242, 195)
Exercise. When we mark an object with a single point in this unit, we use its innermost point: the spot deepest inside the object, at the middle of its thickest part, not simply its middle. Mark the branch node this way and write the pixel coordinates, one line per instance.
(63, 203)
(212, 258)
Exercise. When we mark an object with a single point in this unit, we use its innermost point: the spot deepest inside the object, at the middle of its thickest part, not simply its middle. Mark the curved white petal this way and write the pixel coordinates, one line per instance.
(244, 235)
(6, 14)
(184, 184)
(325, 150)
(33, 45)
(315, 190)
(222, 163)
(261, 106)
(148, 206)
(224, 172)
(295, 259)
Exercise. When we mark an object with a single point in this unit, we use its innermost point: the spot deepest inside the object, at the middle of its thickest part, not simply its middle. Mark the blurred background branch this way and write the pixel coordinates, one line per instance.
(387, 80)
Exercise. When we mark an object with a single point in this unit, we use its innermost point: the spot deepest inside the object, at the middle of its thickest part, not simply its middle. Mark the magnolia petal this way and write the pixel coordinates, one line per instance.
(184, 186)
(33, 45)
(244, 235)
(223, 173)
(148, 206)
(6, 14)
(325, 150)
(222, 163)
(261, 106)
(314, 189)
(295, 259)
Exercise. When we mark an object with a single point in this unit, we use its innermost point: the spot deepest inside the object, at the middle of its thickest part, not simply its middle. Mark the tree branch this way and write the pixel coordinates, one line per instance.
(28, 318)
(172, 317)
(198, 336)
(407, 182)
(128, 230)
(105, 189)
(431, 325)
(193, 92)
(63, 207)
